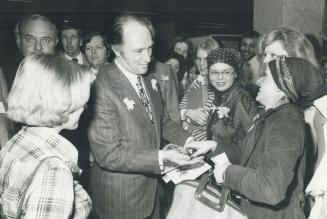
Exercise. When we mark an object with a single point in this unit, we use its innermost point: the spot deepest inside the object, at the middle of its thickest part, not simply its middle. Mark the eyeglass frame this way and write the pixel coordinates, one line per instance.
(226, 73)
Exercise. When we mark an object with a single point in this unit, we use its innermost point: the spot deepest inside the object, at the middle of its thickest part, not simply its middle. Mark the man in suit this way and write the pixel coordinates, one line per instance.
(71, 38)
(126, 129)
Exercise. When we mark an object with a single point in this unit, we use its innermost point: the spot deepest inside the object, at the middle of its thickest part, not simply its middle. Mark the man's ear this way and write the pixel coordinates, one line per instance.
(117, 50)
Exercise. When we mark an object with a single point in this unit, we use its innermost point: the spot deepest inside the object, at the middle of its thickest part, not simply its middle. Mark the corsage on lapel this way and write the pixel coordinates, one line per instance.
(154, 84)
(222, 111)
(164, 78)
(129, 103)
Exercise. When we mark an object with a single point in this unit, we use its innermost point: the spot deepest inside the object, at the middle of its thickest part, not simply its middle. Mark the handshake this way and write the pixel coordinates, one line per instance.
(192, 154)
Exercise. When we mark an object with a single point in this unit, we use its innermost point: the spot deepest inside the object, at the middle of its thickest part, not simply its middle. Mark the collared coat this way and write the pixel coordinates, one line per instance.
(270, 177)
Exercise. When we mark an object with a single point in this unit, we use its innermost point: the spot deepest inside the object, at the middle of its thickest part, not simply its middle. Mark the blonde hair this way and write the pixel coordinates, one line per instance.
(47, 89)
(294, 42)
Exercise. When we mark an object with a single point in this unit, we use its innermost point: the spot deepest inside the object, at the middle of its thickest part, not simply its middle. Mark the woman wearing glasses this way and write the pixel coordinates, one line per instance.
(233, 108)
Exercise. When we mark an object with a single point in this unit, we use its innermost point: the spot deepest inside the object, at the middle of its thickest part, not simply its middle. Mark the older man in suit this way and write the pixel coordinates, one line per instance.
(126, 129)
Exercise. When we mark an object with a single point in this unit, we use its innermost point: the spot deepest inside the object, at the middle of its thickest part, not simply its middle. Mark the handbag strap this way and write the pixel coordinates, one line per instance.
(199, 194)
(20, 206)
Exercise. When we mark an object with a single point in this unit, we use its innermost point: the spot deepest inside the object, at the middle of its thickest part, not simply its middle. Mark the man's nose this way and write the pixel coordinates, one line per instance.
(147, 56)
(38, 45)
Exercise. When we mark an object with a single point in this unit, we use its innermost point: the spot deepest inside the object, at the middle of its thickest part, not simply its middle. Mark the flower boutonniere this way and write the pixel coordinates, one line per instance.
(129, 103)
(154, 84)
(222, 111)
(164, 78)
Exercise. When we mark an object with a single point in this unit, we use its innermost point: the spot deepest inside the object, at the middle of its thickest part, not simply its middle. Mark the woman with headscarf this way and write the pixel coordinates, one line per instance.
(233, 108)
(270, 175)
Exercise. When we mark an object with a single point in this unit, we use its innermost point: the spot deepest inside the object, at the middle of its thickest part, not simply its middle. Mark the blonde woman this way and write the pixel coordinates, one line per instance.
(47, 96)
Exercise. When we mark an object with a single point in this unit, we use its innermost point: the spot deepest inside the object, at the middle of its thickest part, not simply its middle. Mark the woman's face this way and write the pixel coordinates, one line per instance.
(201, 61)
(181, 48)
(96, 52)
(273, 50)
(221, 76)
(269, 94)
(174, 64)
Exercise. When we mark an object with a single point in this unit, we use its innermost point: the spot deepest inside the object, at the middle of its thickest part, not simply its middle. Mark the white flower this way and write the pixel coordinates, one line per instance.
(222, 111)
(154, 84)
(165, 78)
(129, 103)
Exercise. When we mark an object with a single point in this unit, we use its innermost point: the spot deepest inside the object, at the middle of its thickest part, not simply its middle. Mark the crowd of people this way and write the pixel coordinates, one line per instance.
(85, 121)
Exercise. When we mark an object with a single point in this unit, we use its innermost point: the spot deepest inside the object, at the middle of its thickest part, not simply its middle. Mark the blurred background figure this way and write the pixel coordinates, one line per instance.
(250, 70)
(177, 64)
(248, 45)
(286, 41)
(96, 49)
(48, 95)
(71, 37)
(6, 126)
(184, 47)
(196, 103)
(233, 108)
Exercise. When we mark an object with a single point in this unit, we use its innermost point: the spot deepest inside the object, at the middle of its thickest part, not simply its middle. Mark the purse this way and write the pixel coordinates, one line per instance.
(194, 199)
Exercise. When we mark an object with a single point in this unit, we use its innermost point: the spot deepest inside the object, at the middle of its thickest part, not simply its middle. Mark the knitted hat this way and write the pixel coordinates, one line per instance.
(298, 79)
(225, 55)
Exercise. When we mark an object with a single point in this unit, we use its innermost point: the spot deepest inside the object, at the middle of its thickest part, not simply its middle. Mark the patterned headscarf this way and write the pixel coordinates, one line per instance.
(225, 55)
(298, 79)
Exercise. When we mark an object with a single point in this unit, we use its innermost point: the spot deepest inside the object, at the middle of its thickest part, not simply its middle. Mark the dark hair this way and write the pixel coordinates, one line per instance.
(251, 34)
(190, 52)
(120, 21)
(88, 37)
(182, 64)
(68, 25)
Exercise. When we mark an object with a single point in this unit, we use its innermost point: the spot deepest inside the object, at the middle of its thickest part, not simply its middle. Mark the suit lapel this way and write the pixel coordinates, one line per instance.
(124, 89)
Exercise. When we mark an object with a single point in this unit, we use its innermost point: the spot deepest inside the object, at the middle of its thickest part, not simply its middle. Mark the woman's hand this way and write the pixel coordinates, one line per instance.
(201, 147)
(199, 115)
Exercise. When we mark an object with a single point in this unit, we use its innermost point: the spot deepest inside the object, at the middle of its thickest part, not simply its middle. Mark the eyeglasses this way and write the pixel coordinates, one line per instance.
(225, 73)
(31, 40)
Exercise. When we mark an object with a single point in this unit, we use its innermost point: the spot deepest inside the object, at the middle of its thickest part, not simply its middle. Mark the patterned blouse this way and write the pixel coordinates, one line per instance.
(233, 116)
(53, 193)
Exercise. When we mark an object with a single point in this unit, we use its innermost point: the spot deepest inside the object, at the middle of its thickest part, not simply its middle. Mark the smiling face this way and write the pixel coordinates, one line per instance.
(96, 52)
(201, 61)
(221, 76)
(248, 48)
(273, 50)
(134, 54)
(269, 94)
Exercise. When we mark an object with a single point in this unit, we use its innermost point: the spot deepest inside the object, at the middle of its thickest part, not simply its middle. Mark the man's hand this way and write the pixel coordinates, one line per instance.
(199, 115)
(201, 147)
(175, 158)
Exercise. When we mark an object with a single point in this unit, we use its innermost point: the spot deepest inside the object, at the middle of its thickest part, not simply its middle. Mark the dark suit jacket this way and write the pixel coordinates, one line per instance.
(125, 146)
(167, 83)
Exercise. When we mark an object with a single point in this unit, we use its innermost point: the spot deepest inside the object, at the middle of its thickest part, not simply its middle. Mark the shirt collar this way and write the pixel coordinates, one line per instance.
(53, 144)
(130, 76)
(79, 58)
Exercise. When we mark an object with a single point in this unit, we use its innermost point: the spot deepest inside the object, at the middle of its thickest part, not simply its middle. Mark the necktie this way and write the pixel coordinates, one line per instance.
(75, 60)
(144, 97)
